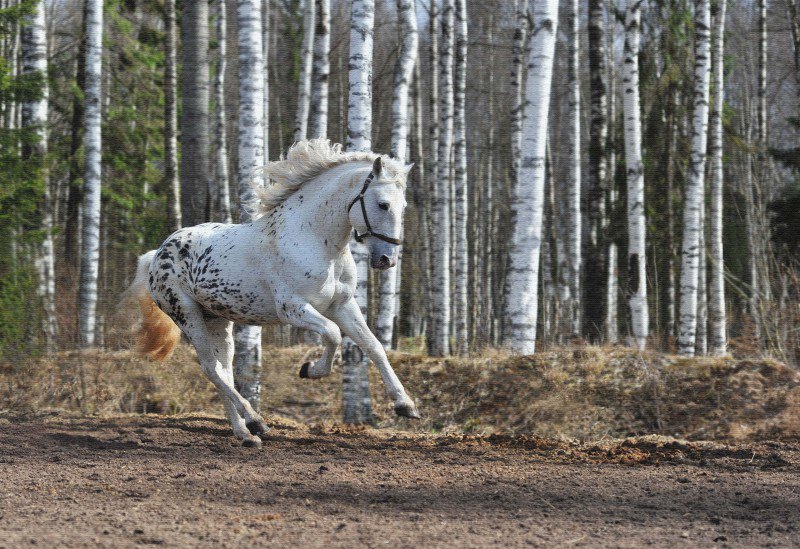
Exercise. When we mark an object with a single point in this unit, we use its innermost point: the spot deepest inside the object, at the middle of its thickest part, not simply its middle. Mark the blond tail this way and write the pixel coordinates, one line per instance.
(158, 334)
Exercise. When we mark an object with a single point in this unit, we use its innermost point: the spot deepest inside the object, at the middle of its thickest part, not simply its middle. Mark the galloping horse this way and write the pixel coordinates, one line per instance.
(291, 265)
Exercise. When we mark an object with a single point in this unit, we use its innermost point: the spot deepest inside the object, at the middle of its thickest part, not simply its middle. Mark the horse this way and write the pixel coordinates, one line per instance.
(292, 264)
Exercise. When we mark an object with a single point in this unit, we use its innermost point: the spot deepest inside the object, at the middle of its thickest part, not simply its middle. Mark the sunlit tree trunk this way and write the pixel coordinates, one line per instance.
(527, 205)
(34, 116)
(461, 335)
(637, 275)
(195, 149)
(594, 291)
(318, 126)
(694, 197)
(171, 118)
(265, 40)
(440, 313)
(357, 402)
(220, 191)
(304, 81)
(385, 320)
(517, 85)
(247, 355)
(90, 261)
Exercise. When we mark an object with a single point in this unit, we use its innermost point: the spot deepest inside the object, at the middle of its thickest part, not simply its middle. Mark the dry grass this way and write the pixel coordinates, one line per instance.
(587, 393)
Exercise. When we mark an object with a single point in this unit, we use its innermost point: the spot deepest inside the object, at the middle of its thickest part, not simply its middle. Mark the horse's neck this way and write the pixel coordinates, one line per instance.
(319, 209)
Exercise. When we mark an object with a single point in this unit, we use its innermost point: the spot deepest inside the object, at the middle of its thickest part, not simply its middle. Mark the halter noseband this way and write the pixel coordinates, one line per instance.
(370, 232)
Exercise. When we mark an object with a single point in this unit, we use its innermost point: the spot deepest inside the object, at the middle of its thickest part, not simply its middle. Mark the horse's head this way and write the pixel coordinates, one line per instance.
(377, 214)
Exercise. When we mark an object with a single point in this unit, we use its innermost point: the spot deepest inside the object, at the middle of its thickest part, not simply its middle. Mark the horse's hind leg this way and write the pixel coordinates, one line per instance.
(222, 343)
(189, 317)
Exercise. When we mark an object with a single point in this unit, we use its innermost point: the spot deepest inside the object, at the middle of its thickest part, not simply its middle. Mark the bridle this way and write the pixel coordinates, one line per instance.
(370, 232)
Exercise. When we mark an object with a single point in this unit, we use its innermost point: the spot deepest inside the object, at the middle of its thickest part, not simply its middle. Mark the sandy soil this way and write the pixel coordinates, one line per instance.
(183, 481)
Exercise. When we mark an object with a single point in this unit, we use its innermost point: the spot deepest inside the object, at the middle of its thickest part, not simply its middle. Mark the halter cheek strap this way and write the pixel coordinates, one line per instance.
(370, 232)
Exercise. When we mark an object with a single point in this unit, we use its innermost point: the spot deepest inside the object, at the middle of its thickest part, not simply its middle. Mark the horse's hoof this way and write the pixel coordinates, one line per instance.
(254, 442)
(304, 370)
(257, 428)
(406, 410)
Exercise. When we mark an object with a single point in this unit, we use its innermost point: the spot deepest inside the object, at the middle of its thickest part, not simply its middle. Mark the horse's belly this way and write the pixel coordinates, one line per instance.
(245, 307)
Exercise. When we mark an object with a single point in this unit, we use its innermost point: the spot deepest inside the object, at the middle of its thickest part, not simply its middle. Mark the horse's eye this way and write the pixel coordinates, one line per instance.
(384, 206)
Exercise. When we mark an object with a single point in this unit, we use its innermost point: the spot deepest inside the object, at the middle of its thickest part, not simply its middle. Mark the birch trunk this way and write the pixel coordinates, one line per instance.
(433, 121)
(34, 116)
(716, 304)
(195, 149)
(357, 402)
(220, 192)
(265, 40)
(572, 304)
(387, 310)
(594, 291)
(319, 84)
(637, 275)
(419, 192)
(527, 205)
(90, 260)
(461, 336)
(247, 355)
(304, 80)
(694, 197)
(171, 118)
(440, 312)
(517, 86)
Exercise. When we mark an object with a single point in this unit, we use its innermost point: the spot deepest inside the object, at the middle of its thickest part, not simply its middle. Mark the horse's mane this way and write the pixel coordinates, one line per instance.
(306, 160)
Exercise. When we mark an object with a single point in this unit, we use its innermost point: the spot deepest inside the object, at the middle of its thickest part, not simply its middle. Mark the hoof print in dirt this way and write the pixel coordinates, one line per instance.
(304, 370)
(407, 411)
(254, 442)
(257, 428)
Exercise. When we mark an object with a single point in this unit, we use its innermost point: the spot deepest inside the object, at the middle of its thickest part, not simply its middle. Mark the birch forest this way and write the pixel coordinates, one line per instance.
(586, 173)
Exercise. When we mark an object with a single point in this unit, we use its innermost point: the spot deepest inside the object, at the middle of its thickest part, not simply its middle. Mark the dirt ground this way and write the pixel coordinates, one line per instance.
(183, 481)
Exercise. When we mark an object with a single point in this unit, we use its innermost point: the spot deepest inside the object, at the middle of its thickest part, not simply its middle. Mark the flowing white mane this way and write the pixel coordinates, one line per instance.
(306, 160)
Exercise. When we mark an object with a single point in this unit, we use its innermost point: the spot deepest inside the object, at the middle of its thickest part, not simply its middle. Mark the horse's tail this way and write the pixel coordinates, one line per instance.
(158, 334)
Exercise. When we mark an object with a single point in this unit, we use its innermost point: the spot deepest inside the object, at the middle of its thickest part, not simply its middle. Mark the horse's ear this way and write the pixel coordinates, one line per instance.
(377, 167)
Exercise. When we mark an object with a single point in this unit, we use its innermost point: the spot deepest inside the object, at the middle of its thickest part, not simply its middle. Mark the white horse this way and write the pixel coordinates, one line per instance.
(291, 265)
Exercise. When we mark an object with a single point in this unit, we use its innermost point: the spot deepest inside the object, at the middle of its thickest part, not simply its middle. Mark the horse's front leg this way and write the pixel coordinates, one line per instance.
(349, 318)
(302, 314)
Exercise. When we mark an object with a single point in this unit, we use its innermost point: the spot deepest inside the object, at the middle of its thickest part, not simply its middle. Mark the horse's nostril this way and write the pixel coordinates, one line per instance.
(385, 259)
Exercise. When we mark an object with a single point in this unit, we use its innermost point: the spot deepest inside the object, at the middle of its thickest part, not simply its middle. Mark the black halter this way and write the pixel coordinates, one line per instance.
(370, 232)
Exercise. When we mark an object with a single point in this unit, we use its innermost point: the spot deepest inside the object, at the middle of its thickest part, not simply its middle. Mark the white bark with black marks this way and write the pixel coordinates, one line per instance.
(220, 191)
(318, 125)
(34, 116)
(461, 335)
(717, 332)
(304, 81)
(389, 280)
(173, 184)
(637, 224)
(527, 205)
(247, 356)
(572, 304)
(90, 260)
(694, 196)
(357, 401)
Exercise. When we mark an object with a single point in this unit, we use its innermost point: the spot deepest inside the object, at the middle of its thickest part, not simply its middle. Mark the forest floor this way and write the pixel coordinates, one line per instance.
(125, 480)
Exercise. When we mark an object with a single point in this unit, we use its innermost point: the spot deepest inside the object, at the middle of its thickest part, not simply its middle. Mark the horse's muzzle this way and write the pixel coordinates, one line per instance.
(382, 262)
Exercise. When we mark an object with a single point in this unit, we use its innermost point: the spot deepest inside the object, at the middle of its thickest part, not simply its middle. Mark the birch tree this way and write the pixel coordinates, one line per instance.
(171, 118)
(517, 86)
(220, 190)
(440, 212)
(90, 260)
(431, 309)
(573, 183)
(717, 336)
(265, 39)
(321, 70)
(461, 336)
(34, 116)
(637, 275)
(357, 402)
(594, 291)
(694, 197)
(407, 16)
(527, 205)
(247, 355)
(195, 149)
(304, 80)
